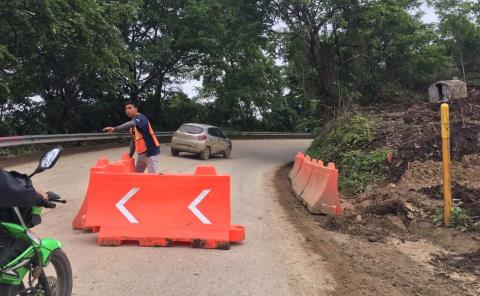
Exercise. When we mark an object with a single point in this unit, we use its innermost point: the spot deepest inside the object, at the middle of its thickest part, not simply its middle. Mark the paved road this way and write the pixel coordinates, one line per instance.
(271, 261)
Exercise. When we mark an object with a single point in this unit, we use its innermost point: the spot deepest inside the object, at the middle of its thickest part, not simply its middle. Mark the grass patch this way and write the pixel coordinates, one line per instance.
(458, 217)
(343, 143)
(362, 169)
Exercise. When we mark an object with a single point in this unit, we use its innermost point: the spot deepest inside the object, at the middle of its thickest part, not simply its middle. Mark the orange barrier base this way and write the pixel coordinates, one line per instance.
(165, 238)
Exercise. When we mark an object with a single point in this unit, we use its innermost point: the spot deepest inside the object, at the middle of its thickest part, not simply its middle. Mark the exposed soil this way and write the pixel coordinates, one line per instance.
(467, 198)
(410, 208)
(407, 211)
(413, 202)
(466, 262)
(391, 240)
(414, 133)
(376, 252)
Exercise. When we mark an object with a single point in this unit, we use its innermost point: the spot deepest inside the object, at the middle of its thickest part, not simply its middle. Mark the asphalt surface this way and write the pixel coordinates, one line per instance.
(271, 261)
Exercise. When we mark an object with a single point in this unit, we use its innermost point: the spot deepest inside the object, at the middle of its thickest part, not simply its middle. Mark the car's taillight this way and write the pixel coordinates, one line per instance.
(202, 137)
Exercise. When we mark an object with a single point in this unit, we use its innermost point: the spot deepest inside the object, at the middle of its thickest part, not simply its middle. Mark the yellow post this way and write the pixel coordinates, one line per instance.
(447, 187)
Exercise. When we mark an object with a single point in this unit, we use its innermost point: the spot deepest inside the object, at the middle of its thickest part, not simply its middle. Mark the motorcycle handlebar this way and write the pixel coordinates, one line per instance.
(53, 197)
(48, 204)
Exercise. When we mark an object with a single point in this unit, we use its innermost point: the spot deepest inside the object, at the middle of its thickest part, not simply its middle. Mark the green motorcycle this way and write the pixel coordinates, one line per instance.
(31, 265)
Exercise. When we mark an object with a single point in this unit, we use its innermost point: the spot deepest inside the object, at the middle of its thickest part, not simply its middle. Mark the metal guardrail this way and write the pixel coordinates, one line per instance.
(58, 138)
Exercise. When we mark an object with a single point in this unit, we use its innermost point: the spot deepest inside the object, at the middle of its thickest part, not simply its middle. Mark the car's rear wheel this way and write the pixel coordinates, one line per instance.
(174, 152)
(227, 152)
(205, 154)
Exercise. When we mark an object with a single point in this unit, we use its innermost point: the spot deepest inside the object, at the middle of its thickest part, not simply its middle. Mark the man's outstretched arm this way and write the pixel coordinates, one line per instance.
(122, 127)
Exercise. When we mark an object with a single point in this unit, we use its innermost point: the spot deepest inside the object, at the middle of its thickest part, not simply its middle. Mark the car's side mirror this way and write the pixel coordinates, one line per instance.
(48, 160)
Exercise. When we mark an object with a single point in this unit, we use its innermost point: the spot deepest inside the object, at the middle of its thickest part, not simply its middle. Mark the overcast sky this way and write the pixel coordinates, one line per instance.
(430, 15)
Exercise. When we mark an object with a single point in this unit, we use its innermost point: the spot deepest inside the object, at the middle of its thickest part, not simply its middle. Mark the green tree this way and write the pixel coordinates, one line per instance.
(339, 52)
(64, 51)
(460, 29)
(313, 27)
(67, 65)
(386, 48)
(165, 39)
(239, 71)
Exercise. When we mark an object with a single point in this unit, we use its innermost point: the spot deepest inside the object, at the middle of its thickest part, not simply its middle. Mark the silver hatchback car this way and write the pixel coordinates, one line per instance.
(201, 139)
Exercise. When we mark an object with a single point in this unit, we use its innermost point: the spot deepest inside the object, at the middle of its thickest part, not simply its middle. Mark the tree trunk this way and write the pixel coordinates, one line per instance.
(322, 58)
(463, 67)
(158, 103)
(152, 107)
(70, 92)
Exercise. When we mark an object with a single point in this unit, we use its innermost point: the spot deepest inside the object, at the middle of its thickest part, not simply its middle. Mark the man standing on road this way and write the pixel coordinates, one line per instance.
(143, 141)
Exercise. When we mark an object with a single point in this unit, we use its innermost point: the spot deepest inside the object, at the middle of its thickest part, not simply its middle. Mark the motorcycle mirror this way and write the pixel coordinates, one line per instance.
(48, 160)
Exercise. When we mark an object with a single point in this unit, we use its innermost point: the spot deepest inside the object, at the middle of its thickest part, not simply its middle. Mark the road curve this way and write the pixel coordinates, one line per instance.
(271, 261)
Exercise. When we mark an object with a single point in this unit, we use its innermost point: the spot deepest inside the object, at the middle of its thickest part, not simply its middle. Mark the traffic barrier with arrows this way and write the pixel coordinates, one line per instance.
(158, 210)
(316, 185)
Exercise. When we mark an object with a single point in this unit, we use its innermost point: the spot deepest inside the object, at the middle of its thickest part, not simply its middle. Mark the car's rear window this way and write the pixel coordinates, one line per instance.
(191, 129)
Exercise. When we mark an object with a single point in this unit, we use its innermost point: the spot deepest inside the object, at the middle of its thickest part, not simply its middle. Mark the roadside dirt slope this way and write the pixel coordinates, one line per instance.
(376, 256)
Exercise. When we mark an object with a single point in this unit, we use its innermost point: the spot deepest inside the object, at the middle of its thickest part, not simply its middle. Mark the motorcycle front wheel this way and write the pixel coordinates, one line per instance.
(58, 283)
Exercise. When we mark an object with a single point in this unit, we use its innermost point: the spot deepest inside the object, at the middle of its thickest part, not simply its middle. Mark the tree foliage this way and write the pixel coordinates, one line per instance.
(284, 65)
(459, 29)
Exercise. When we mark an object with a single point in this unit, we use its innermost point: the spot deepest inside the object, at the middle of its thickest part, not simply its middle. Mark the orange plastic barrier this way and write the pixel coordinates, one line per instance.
(299, 158)
(301, 179)
(158, 210)
(125, 165)
(321, 194)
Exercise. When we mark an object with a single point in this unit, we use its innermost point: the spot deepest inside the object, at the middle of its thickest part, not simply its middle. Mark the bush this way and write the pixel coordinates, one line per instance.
(343, 144)
(359, 169)
(346, 134)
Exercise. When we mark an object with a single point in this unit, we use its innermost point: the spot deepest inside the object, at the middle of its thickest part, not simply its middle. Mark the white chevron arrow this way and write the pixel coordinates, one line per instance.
(121, 205)
(193, 207)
